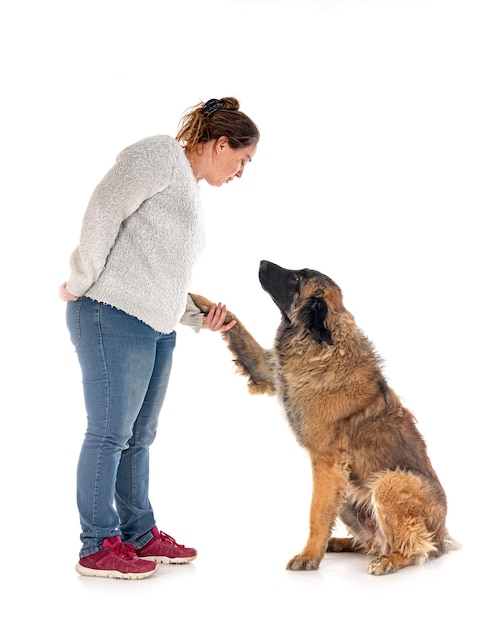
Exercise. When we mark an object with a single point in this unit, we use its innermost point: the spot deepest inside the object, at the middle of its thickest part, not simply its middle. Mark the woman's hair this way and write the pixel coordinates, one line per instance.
(214, 119)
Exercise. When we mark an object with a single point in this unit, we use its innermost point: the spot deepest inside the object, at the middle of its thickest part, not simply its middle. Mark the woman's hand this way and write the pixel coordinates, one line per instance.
(65, 295)
(215, 320)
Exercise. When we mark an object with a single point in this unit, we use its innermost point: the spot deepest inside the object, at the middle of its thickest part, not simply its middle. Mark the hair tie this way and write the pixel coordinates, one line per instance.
(212, 106)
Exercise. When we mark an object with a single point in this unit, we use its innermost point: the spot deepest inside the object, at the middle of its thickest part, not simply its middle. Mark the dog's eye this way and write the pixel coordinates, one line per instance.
(294, 282)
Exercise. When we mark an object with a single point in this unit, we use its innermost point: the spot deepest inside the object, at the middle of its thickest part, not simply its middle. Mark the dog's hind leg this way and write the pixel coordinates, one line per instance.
(410, 511)
(342, 544)
(329, 483)
(359, 520)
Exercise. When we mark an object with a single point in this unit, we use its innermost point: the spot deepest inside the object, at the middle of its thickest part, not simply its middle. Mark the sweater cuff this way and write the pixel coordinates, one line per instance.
(193, 316)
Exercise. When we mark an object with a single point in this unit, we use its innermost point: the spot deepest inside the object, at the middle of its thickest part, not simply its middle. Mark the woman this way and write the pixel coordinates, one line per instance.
(141, 236)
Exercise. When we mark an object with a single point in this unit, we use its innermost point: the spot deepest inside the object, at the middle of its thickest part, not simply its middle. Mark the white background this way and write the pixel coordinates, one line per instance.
(373, 167)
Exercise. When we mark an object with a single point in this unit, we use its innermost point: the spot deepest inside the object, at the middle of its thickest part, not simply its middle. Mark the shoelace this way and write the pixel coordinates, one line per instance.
(125, 551)
(168, 539)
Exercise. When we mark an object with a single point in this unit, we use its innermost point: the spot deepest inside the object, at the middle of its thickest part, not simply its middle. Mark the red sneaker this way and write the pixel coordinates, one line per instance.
(115, 560)
(164, 549)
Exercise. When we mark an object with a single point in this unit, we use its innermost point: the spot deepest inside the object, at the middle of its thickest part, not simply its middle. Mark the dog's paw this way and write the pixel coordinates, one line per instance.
(340, 544)
(381, 565)
(201, 302)
(303, 562)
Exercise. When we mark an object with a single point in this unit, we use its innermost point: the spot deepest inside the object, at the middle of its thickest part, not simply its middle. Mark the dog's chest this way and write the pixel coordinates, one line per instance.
(306, 384)
(293, 395)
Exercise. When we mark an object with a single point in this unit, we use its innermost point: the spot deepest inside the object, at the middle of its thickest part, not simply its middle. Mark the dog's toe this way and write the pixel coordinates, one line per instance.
(302, 563)
(381, 565)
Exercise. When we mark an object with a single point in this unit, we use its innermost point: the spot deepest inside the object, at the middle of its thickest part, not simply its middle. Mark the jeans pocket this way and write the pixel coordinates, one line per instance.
(73, 319)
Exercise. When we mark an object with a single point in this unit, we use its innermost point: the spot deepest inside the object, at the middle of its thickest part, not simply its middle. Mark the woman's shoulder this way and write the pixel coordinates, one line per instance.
(155, 145)
(159, 140)
(159, 158)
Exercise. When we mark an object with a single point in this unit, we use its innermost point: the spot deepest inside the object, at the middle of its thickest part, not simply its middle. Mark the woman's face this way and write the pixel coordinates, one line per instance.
(228, 163)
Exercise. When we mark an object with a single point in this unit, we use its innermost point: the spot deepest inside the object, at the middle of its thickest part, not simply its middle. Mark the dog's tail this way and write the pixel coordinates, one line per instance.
(449, 544)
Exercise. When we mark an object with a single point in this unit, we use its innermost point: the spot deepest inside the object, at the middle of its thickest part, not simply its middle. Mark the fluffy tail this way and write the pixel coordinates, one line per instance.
(449, 544)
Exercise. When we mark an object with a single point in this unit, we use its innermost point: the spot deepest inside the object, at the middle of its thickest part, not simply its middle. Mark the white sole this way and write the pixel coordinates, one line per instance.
(167, 560)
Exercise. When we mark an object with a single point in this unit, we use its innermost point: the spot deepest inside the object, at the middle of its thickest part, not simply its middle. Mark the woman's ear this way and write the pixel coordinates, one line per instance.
(221, 144)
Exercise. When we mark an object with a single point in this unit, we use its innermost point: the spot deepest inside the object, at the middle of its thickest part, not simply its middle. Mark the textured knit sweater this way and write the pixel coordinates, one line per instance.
(142, 232)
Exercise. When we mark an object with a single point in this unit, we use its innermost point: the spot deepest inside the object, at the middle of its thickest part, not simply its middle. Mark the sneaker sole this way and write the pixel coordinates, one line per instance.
(167, 560)
(111, 573)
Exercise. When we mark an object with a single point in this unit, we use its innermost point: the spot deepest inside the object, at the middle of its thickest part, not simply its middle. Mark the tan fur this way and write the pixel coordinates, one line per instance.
(370, 465)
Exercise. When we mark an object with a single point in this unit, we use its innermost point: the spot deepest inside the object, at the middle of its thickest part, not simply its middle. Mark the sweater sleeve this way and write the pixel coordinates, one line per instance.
(140, 171)
(193, 316)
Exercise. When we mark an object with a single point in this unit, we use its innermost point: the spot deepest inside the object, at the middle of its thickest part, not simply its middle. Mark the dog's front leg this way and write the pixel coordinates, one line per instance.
(330, 478)
(250, 358)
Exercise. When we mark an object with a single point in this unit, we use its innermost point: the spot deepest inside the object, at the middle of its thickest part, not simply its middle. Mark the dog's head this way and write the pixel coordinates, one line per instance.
(305, 298)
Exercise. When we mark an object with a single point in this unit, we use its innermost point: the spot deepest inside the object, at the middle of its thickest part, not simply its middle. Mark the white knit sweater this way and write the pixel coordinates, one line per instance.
(141, 235)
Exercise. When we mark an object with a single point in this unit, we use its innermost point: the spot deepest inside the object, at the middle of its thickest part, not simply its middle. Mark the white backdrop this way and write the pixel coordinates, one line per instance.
(373, 167)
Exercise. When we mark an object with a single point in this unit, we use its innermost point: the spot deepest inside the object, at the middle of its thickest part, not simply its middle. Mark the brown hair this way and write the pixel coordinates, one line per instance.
(214, 119)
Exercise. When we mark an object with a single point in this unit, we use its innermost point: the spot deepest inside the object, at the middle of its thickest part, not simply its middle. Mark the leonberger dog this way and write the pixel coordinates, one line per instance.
(370, 464)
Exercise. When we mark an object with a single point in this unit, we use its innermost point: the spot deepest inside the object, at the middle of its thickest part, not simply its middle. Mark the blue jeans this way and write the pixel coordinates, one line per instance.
(125, 371)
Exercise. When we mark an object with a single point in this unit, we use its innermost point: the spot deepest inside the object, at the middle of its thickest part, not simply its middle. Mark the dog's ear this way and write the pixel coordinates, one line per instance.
(313, 316)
